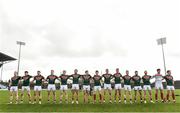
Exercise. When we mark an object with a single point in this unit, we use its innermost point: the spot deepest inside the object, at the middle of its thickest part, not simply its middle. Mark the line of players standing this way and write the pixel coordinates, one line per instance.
(136, 80)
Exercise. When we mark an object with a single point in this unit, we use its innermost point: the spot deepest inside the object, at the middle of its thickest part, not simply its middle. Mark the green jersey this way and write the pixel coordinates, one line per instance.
(117, 78)
(15, 80)
(127, 80)
(146, 79)
(169, 80)
(64, 79)
(86, 79)
(38, 79)
(97, 80)
(107, 78)
(137, 80)
(76, 78)
(26, 80)
(51, 79)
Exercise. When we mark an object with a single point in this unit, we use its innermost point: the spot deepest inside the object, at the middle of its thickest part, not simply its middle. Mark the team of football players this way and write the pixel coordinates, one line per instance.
(97, 81)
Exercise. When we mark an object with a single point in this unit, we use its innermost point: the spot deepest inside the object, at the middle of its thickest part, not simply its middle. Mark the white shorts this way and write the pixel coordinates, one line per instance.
(170, 88)
(127, 87)
(25, 88)
(86, 87)
(147, 87)
(107, 86)
(14, 88)
(137, 88)
(118, 86)
(158, 85)
(75, 86)
(51, 87)
(37, 88)
(63, 87)
(97, 88)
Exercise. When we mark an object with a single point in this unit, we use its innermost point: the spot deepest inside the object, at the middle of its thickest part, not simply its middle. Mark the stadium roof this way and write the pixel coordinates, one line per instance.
(4, 57)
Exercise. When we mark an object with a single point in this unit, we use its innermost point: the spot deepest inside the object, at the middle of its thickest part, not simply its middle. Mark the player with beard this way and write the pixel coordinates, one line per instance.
(117, 78)
(127, 86)
(75, 86)
(86, 86)
(137, 86)
(64, 87)
(51, 85)
(14, 87)
(97, 86)
(158, 85)
(147, 86)
(26, 86)
(107, 85)
(170, 86)
(38, 86)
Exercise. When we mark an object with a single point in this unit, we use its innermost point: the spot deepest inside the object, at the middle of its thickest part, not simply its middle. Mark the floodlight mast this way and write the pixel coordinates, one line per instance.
(19, 58)
(162, 41)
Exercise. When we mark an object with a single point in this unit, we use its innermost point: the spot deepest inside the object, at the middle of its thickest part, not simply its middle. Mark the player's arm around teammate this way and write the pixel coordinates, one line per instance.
(127, 86)
(107, 85)
(158, 85)
(170, 86)
(14, 87)
(147, 86)
(75, 86)
(117, 78)
(97, 86)
(51, 85)
(86, 86)
(63, 88)
(38, 87)
(26, 86)
(137, 86)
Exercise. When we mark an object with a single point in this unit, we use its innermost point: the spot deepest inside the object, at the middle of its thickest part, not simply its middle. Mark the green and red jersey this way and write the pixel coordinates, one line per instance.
(127, 80)
(26, 80)
(97, 80)
(137, 80)
(38, 79)
(64, 79)
(51, 79)
(107, 78)
(86, 79)
(117, 78)
(75, 78)
(169, 80)
(15, 80)
(146, 79)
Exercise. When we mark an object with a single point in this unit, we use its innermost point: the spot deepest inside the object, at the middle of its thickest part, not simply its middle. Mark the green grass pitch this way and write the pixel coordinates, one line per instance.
(105, 107)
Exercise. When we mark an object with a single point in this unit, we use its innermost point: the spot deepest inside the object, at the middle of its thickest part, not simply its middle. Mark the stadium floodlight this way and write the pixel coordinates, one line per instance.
(162, 41)
(20, 44)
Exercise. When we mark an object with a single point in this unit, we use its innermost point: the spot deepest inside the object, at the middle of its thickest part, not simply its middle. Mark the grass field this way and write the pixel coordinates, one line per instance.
(105, 107)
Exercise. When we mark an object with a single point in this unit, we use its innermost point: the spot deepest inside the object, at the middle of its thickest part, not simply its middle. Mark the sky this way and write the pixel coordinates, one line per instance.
(90, 35)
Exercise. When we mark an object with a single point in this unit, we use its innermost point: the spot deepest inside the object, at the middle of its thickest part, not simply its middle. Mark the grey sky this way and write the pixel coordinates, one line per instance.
(111, 33)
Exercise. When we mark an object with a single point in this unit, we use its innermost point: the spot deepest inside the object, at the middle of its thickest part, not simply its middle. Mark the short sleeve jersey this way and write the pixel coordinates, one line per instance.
(64, 79)
(117, 78)
(169, 80)
(15, 80)
(97, 80)
(51, 79)
(86, 79)
(146, 79)
(26, 80)
(76, 78)
(38, 79)
(107, 78)
(127, 80)
(137, 80)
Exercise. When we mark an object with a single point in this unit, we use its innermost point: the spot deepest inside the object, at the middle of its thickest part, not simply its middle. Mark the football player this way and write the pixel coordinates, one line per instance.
(14, 87)
(26, 86)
